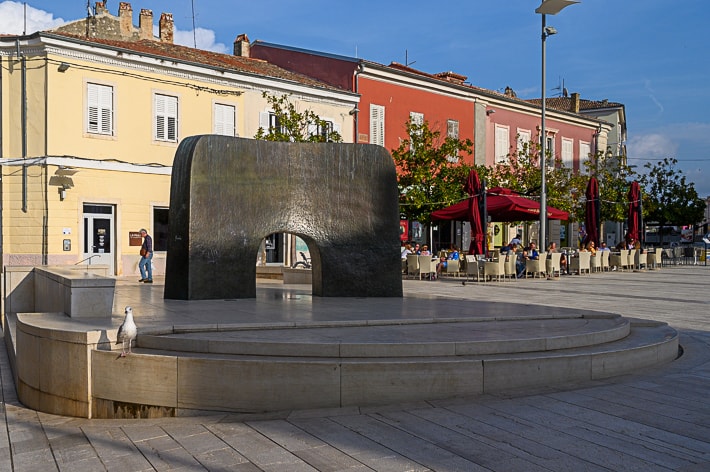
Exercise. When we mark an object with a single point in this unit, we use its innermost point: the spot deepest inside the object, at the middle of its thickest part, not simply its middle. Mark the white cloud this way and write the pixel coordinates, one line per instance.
(651, 146)
(12, 19)
(205, 40)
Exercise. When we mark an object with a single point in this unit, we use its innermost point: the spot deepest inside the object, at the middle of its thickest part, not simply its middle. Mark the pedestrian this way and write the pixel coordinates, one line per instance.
(146, 262)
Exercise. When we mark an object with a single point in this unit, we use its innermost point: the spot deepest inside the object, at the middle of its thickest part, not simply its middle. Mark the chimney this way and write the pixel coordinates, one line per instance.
(100, 8)
(452, 77)
(575, 102)
(145, 23)
(166, 28)
(242, 46)
(125, 17)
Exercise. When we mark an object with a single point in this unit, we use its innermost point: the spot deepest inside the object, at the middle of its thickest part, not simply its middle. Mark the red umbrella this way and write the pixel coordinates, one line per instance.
(502, 204)
(634, 213)
(473, 189)
(592, 215)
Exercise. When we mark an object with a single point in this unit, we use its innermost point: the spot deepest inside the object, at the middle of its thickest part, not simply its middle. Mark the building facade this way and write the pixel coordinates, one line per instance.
(91, 115)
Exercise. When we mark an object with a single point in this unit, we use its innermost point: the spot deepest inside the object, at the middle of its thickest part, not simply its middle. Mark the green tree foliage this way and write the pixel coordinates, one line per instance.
(294, 126)
(614, 177)
(431, 172)
(668, 198)
(521, 173)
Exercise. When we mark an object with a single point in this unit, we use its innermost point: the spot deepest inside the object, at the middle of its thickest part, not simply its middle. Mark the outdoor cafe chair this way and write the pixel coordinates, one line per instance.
(552, 264)
(653, 258)
(510, 268)
(412, 265)
(605, 260)
(632, 259)
(472, 267)
(595, 262)
(494, 268)
(536, 267)
(427, 266)
(581, 262)
(620, 259)
(452, 267)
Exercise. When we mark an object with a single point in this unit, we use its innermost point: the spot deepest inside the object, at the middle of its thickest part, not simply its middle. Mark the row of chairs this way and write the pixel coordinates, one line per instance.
(425, 266)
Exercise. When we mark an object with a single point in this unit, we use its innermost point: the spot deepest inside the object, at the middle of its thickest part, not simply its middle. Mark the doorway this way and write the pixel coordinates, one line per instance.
(99, 243)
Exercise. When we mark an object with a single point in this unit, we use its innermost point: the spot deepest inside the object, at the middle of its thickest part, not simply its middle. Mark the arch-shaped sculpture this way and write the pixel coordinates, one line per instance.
(228, 193)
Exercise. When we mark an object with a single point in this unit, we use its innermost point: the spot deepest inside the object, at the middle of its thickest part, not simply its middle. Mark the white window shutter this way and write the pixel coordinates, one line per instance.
(377, 125)
(100, 109)
(224, 119)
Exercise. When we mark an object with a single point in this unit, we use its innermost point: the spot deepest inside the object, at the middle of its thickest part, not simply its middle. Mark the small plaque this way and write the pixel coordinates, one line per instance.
(134, 238)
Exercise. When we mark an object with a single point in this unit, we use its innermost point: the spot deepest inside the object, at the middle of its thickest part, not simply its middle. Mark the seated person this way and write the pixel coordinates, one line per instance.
(602, 247)
(406, 249)
(425, 251)
(591, 248)
(563, 257)
(532, 251)
(512, 247)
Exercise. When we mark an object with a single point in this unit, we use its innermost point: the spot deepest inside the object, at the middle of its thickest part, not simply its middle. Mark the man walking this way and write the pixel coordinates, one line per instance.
(145, 265)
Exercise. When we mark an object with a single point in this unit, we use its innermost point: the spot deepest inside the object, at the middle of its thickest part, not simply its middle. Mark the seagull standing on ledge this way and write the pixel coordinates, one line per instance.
(127, 332)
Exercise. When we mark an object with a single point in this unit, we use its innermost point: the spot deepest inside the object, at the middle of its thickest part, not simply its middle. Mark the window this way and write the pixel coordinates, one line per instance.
(166, 116)
(585, 149)
(568, 153)
(452, 131)
(100, 109)
(325, 129)
(524, 137)
(377, 125)
(502, 144)
(417, 118)
(160, 229)
(224, 119)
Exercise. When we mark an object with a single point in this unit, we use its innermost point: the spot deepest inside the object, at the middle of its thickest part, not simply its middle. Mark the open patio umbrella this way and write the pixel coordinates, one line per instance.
(635, 215)
(592, 214)
(475, 197)
(502, 204)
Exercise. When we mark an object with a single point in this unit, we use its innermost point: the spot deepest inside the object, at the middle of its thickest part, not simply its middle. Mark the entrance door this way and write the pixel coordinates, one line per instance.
(99, 245)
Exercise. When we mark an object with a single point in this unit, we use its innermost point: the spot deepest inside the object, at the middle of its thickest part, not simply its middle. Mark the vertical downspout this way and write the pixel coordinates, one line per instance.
(45, 184)
(23, 110)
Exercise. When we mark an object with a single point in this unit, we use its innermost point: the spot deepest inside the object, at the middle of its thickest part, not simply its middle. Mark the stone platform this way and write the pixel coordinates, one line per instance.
(287, 350)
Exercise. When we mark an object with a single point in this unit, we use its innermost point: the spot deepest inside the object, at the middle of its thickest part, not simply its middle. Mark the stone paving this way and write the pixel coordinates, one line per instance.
(656, 420)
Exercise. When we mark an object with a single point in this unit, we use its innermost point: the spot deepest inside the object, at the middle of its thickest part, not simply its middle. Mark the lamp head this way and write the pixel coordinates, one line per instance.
(550, 30)
(553, 7)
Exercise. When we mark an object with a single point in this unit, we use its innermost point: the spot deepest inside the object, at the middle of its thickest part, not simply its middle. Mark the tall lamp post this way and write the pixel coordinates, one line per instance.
(547, 7)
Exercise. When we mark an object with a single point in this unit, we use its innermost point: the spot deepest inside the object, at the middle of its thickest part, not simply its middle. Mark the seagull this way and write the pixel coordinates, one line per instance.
(127, 332)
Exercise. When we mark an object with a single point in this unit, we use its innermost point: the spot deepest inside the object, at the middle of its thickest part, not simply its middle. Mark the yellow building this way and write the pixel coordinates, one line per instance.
(91, 115)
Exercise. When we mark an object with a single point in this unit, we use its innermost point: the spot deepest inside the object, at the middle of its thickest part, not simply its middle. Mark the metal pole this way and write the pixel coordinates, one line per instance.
(543, 156)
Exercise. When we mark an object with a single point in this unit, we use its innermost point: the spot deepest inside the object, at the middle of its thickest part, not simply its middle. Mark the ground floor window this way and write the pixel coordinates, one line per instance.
(160, 229)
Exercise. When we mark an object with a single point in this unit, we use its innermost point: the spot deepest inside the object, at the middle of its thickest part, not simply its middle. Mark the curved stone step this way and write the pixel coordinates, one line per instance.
(452, 337)
(186, 381)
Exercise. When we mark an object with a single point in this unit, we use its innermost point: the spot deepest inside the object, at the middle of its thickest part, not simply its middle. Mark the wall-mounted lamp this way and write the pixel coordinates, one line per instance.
(63, 67)
(62, 193)
(354, 110)
(490, 112)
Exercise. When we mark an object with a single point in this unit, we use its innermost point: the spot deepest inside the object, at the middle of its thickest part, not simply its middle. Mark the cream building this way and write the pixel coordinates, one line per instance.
(91, 115)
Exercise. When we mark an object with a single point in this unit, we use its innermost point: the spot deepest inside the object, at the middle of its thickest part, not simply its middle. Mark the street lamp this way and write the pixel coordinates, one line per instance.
(547, 7)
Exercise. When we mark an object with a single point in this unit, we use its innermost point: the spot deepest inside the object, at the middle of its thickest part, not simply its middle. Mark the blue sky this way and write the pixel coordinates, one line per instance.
(650, 55)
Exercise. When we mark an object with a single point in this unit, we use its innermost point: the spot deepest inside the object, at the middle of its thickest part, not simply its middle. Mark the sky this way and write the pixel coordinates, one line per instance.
(653, 56)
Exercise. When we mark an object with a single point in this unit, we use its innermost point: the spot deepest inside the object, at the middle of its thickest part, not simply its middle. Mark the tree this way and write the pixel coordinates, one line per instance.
(521, 173)
(431, 173)
(290, 125)
(668, 198)
(614, 177)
